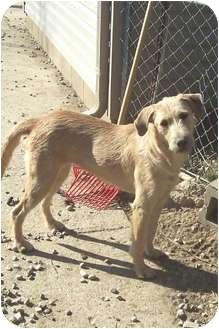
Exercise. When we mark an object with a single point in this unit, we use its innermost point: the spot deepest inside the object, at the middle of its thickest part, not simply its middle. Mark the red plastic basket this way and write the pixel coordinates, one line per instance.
(90, 190)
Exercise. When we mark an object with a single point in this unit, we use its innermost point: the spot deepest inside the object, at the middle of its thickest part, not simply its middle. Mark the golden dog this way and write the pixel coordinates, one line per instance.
(143, 158)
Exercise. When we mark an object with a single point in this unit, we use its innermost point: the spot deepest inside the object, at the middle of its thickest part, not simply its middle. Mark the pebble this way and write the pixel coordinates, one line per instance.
(12, 201)
(19, 317)
(120, 298)
(9, 268)
(114, 291)
(38, 267)
(55, 252)
(84, 266)
(43, 297)
(83, 274)
(181, 306)
(20, 277)
(70, 208)
(47, 311)
(181, 295)
(34, 316)
(190, 324)
(93, 277)
(16, 266)
(134, 319)
(84, 257)
(200, 307)
(181, 315)
(82, 280)
(8, 301)
(15, 258)
(38, 309)
(15, 286)
(27, 302)
(106, 299)
(4, 311)
(68, 312)
(107, 261)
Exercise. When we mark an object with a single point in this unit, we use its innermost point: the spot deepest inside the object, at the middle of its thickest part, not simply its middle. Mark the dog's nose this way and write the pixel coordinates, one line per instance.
(182, 144)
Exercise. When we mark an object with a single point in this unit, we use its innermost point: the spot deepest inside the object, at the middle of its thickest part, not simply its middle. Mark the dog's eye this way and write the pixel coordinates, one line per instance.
(183, 115)
(164, 123)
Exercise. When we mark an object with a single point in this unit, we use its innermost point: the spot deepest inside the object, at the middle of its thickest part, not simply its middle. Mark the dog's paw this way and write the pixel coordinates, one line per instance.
(56, 226)
(23, 246)
(155, 254)
(145, 272)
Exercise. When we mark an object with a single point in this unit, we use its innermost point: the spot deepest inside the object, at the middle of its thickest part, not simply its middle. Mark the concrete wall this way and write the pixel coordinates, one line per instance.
(68, 31)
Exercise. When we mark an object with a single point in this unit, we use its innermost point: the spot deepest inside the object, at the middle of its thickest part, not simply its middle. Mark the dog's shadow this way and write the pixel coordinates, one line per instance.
(173, 274)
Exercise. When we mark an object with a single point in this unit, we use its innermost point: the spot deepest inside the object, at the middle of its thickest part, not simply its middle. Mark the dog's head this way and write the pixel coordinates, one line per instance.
(174, 119)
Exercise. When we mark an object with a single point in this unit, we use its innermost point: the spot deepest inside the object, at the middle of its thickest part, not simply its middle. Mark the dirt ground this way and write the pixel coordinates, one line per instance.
(46, 288)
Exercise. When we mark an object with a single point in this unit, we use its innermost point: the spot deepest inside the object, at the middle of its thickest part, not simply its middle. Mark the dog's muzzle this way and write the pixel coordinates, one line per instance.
(183, 145)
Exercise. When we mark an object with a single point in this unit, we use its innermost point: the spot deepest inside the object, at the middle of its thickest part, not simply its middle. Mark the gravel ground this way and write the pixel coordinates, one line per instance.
(83, 277)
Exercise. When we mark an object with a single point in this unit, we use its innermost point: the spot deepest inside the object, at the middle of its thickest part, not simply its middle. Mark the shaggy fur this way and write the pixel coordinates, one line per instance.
(143, 158)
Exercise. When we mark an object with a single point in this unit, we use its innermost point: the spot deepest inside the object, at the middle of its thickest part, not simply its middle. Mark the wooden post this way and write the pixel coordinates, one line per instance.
(132, 75)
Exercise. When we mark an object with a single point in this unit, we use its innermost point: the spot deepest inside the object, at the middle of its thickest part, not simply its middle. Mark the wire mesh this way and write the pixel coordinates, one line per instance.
(179, 56)
(90, 190)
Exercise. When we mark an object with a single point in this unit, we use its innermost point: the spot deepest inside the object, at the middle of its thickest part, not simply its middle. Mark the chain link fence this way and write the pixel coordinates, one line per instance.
(179, 56)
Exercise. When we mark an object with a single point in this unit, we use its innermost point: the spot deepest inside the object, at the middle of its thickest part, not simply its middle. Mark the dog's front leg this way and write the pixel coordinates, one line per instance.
(139, 224)
(150, 251)
(150, 232)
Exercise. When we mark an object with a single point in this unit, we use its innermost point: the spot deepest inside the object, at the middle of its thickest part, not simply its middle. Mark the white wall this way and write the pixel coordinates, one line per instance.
(73, 28)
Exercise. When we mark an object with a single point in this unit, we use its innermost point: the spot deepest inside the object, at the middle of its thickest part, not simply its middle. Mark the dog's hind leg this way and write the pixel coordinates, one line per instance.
(38, 183)
(61, 176)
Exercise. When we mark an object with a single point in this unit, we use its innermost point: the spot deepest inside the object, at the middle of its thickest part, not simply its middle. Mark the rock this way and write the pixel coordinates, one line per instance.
(105, 299)
(84, 266)
(107, 261)
(43, 297)
(47, 311)
(68, 313)
(34, 316)
(181, 315)
(200, 307)
(55, 252)
(93, 277)
(15, 258)
(13, 320)
(181, 306)
(82, 280)
(9, 268)
(120, 298)
(27, 302)
(134, 319)
(38, 309)
(84, 257)
(70, 208)
(19, 317)
(16, 266)
(114, 291)
(8, 301)
(15, 286)
(12, 201)
(4, 310)
(38, 267)
(190, 324)
(83, 274)
(20, 277)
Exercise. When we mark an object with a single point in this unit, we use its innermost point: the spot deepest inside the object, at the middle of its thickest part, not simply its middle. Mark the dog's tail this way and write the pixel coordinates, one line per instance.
(13, 139)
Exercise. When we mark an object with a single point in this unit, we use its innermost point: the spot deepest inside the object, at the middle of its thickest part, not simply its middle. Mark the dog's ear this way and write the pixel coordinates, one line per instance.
(145, 116)
(195, 102)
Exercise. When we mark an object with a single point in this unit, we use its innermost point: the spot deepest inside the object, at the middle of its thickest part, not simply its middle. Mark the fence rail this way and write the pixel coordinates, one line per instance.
(179, 56)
